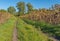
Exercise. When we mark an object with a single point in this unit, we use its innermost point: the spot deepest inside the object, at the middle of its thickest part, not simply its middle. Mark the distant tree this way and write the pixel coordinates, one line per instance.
(56, 7)
(29, 7)
(11, 10)
(2, 10)
(21, 8)
(43, 10)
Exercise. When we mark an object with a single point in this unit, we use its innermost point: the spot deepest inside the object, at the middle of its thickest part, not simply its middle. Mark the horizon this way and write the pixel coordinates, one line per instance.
(36, 3)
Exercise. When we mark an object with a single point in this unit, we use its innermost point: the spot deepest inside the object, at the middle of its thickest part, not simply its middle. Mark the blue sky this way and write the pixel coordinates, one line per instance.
(4, 4)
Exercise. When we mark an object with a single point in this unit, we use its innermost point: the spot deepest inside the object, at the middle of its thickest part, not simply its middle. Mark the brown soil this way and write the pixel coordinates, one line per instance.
(14, 38)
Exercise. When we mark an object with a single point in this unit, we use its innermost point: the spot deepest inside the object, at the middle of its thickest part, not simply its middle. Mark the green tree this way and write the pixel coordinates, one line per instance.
(29, 7)
(21, 8)
(11, 10)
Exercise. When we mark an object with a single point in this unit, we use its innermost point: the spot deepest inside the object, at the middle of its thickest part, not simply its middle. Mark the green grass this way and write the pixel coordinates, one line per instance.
(6, 29)
(53, 30)
(27, 32)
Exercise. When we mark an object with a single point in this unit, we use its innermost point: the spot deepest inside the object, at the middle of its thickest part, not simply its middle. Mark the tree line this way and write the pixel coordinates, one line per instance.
(21, 8)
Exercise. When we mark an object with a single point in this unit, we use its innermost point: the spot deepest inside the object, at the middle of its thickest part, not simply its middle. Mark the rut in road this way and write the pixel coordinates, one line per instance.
(14, 38)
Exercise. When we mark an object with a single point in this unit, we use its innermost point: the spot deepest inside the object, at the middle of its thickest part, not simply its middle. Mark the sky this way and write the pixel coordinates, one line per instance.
(4, 4)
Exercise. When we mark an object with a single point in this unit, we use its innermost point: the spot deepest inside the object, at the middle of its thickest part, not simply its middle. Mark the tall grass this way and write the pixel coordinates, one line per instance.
(27, 32)
(6, 29)
(52, 30)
